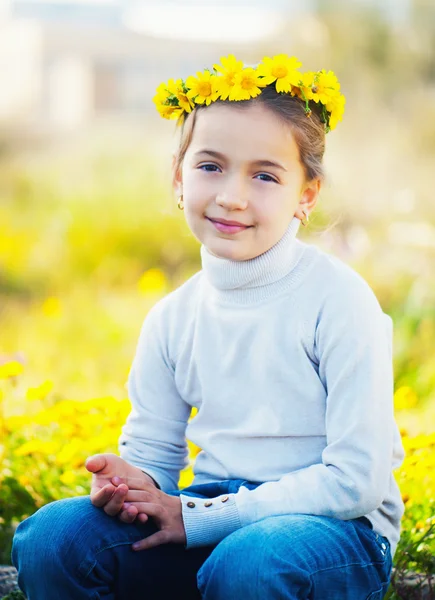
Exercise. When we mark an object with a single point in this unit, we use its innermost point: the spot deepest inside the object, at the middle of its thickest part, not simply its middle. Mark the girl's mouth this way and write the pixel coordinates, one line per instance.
(222, 227)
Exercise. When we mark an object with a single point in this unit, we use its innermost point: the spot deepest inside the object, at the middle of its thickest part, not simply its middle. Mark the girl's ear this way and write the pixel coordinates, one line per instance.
(177, 182)
(309, 197)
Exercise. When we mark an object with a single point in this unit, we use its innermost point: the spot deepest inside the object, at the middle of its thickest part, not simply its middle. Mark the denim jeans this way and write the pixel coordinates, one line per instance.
(71, 550)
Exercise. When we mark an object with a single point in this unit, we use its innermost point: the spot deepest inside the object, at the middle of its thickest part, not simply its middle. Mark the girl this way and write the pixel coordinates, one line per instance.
(285, 353)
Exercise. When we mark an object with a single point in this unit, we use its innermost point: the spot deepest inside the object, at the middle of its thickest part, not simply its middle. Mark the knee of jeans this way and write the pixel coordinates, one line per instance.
(44, 539)
(252, 556)
(236, 562)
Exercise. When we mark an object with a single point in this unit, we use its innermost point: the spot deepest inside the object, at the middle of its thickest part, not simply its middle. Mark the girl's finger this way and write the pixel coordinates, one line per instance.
(151, 509)
(161, 537)
(128, 515)
(114, 505)
(141, 496)
(102, 496)
(135, 483)
(142, 517)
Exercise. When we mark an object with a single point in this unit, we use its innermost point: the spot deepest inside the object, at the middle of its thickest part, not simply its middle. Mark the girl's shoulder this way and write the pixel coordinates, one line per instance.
(177, 304)
(331, 279)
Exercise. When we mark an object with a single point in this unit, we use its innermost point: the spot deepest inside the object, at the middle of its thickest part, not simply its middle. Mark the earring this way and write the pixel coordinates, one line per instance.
(180, 202)
(306, 213)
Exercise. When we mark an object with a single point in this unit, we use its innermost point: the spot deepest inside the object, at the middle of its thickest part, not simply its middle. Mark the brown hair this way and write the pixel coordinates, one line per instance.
(309, 132)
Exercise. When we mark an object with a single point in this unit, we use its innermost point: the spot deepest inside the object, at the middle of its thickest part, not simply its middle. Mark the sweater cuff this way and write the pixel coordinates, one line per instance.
(207, 521)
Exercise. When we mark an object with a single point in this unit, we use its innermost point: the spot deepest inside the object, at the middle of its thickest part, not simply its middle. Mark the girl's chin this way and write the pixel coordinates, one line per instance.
(228, 250)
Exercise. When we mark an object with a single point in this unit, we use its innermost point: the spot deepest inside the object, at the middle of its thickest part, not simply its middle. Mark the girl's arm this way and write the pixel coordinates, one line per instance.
(353, 344)
(153, 437)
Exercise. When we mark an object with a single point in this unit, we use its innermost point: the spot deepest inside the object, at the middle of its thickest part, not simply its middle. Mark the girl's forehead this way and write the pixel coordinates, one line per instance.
(243, 131)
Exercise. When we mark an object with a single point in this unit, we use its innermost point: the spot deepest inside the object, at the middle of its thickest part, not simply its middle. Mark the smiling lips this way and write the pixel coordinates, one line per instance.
(228, 226)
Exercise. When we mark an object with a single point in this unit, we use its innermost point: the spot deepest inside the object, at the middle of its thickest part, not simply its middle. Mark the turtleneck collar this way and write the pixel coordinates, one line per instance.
(257, 278)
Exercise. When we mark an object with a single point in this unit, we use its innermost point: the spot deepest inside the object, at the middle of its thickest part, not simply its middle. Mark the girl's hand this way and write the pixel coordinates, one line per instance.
(164, 509)
(106, 494)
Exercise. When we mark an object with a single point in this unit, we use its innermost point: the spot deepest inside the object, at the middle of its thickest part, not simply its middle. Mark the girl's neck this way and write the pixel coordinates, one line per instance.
(257, 278)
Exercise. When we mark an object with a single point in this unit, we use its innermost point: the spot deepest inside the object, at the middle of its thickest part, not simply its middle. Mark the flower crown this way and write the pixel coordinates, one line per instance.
(231, 80)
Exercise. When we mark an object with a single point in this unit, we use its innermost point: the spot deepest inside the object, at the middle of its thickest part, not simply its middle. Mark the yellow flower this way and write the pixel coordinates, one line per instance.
(52, 307)
(170, 112)
(203, 89)
(247, 85)
(68, 478)
(325, 86)
(36, 446)
(152, 281)
(229, 69)
(176, 89)
(282, 69)
(39, 392)
(404, 398)
(24, 480)
(335, 106)
(13, 368)
(304, 88)
(166, 103)
(70, 453)
(186, 478)
(194, 450)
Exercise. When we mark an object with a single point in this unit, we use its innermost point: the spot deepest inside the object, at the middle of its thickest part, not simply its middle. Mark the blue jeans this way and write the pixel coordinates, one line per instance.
(72, 550)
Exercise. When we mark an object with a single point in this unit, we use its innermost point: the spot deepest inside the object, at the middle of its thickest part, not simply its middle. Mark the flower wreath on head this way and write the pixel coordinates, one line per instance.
(233, 81)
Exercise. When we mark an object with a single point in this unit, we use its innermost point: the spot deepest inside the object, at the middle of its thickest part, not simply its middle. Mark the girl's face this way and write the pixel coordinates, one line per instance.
(242, 165)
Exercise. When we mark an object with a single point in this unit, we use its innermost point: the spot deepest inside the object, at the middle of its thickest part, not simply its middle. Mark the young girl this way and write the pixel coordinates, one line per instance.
(285, 353)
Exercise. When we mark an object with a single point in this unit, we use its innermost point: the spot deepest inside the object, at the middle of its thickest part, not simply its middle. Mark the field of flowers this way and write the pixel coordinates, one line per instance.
(87, 246)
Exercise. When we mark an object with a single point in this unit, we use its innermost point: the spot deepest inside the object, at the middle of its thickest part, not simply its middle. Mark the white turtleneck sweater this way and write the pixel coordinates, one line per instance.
(288, 359)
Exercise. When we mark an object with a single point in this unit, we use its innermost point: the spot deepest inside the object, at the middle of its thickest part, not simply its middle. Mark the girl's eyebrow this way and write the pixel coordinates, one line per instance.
(260, 162)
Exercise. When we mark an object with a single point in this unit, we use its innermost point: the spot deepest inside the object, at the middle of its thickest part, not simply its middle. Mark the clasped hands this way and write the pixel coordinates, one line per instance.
(124, 490)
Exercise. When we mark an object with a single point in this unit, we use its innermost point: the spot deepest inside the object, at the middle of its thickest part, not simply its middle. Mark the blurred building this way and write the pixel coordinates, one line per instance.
(66, 63)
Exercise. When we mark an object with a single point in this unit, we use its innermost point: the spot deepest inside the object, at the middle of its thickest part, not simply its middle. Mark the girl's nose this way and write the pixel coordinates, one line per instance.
(233, 197)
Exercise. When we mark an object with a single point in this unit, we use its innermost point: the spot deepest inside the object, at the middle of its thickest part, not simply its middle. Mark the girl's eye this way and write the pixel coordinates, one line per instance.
(266, 177)
(209, 168)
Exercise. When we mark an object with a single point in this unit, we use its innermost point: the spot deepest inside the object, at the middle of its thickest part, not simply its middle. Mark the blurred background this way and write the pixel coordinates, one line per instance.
(89, 229)
(90, 234)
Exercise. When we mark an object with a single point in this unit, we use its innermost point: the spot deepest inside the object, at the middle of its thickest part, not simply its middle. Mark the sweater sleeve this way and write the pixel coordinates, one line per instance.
(153, 437)
(353, 346)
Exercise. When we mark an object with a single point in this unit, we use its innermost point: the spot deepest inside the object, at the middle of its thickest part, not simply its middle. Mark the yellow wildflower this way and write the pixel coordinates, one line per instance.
(24, 480)
(37, 447)
(229, 69)
(282, 69)
(325, 87)
(39, 392)
(186, 478)
(247, 85)
(304, 88)
(12, 368)
(194, 450)
(153, 281)
(68, 478)
(335, 106)
(405, 398)
(176, 89)
(70, 453)
(166, 103)
(203, 89)
(52, 307)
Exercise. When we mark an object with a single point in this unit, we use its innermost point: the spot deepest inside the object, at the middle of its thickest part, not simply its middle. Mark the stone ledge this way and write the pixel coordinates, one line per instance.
(8, 580)
(412, 587)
